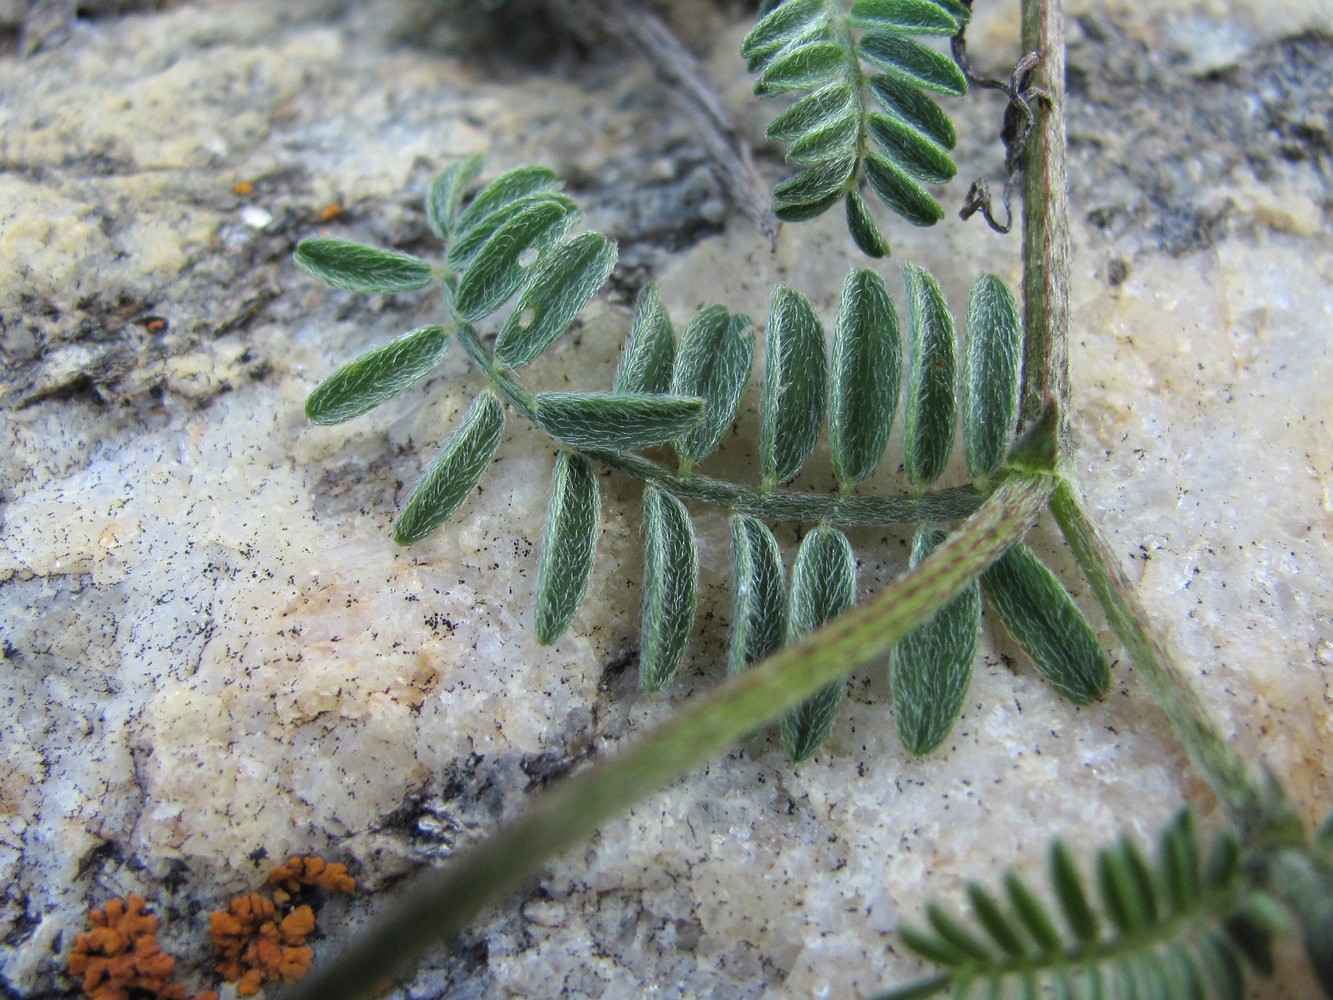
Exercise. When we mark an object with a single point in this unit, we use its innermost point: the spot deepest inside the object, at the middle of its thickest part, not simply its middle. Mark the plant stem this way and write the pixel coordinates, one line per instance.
(443, 902)
(1046, 226)
(1212, 754)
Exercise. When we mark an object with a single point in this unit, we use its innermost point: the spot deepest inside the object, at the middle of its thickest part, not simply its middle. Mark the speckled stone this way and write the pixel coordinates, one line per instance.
(215, 655)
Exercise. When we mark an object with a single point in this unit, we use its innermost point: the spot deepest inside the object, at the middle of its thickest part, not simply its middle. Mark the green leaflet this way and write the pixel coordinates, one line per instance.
(616, 421)
(567, 545)
(992, 362)
(811, 111)
(913, 108)
(863, 395)
(914, 17)
(825, 180)
(787, 22)
(360, 268)
(802, 66)
(759, 600)
(505, 190)
(931, 364)
(650, 350)
(1039, 613)
(932, 666)
(913, 63)
(713, 363)
(445, 194)
(469, 243)
(375, 376)
(501, 265)
(453, 476)
(904, 146)
(832, 138)
(670, 588)
(902, 194)
(823, 586)
(795, 377)
(861, 224)
(560, 286)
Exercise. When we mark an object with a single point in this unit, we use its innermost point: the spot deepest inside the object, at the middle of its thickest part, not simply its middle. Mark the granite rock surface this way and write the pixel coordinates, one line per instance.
(214, 655)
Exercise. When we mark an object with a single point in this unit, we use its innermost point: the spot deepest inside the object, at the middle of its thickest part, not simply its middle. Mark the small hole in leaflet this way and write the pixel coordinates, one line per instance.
(528, 257)
(526, 317)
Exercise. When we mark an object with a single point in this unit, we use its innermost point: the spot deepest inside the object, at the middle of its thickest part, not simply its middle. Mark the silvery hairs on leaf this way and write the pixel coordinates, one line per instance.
(557, 289)
(650, 350)
(823, 586)
(446, 195)
(452, 477)
(670, 588)
(377, 375)
(616, 421)
(932, 665)
(795, 382)
(713, 363)
(1042, 618)
(759, 598)
(931, 376)
(359, 268)
(992, 373)
(866, 372)
(568, 542)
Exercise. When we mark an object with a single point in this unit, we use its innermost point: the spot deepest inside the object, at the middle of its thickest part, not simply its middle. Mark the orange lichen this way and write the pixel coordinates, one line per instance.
(242, 188)
(256, 942)
(120, 958)
(312, 871)
(331, 211)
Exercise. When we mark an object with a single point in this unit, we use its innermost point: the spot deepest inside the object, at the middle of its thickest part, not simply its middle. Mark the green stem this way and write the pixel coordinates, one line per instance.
(1046, 226)
(1223, 768)
(443, 902)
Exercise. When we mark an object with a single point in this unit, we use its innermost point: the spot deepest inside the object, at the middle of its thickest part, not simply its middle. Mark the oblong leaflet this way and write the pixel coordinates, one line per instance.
(568, 543)
(377, 375)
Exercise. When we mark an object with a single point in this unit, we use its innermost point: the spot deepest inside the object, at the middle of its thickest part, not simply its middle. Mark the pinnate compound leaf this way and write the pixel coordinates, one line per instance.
(507, 258)
(505, 190)
(913, 62)
(713, 363)
(866, 370)
(795, 381)
(560, 286)
(913, 17)
(360, 268)
(992, 368)
(469, 243)
(931, 374)
(670, 588)
(823, 586)
(377, 375)
(1042, 618)
(454, 475)
(616, 421)
(567, 545)
(446, 192)
(759, 599)
(861, 224)
(902, 194)
(932, 665)
(650, 350)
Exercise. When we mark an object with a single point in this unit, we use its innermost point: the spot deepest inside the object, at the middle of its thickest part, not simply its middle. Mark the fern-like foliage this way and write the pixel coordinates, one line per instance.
(1182, 928)
(866, 121)
(512, 258)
